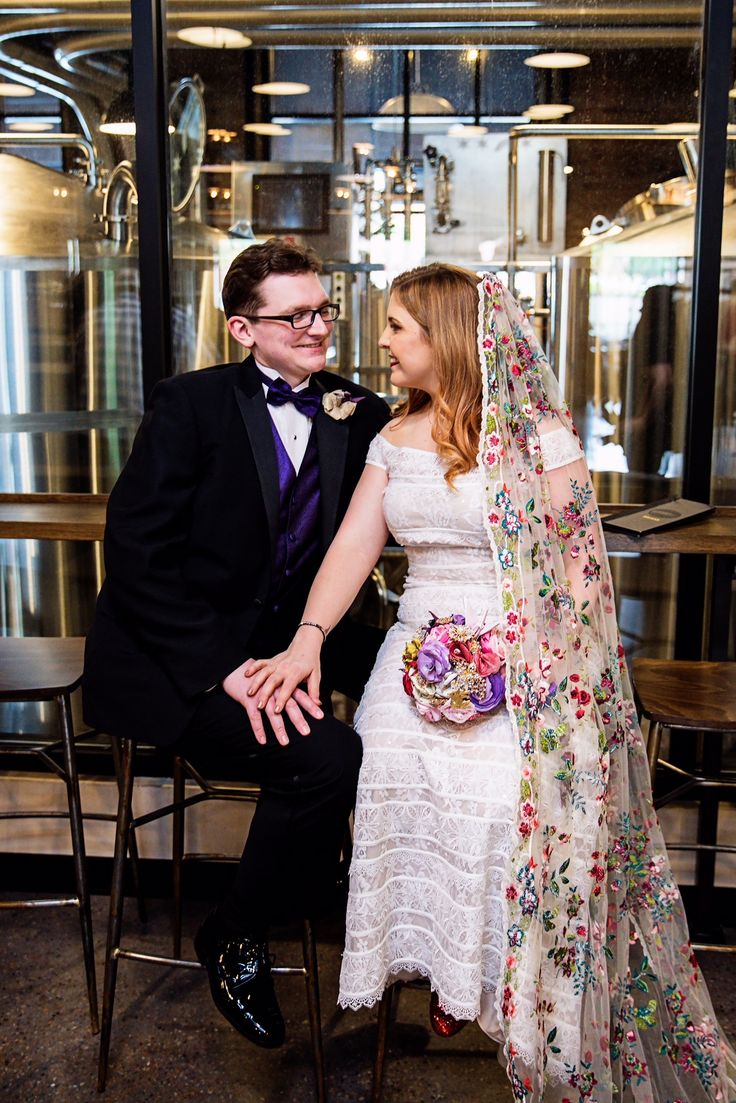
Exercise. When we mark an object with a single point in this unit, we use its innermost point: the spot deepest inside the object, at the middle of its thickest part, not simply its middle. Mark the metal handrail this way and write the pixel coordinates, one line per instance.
(73, 141)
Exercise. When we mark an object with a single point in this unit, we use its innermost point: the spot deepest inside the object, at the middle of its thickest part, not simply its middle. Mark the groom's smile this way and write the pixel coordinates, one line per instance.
(275, 343)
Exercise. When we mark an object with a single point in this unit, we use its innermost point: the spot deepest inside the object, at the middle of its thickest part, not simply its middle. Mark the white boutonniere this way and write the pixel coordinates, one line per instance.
(340, 404)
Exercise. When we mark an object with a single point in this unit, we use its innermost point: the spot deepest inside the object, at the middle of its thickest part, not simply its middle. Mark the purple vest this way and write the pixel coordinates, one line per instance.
(299, 515)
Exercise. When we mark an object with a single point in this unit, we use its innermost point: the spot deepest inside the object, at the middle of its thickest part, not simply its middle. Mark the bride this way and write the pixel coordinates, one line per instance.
(506, 846)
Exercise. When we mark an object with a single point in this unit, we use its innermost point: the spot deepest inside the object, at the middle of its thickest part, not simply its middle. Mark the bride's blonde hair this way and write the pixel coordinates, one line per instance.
(443, 300)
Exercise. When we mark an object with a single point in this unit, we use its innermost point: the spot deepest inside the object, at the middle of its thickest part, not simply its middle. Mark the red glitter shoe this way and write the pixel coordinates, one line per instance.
(443, 1023)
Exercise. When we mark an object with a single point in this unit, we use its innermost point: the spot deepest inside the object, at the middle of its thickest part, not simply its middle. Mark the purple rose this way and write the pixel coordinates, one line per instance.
(494, 694)
(433, 661)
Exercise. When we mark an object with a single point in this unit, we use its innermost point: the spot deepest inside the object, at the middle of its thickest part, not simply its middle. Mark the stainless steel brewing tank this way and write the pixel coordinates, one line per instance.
(621, 344)
(621, 334)
(70, 368)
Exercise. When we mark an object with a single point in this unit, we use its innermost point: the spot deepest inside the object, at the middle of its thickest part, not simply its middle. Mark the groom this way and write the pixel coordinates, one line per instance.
(238, 478)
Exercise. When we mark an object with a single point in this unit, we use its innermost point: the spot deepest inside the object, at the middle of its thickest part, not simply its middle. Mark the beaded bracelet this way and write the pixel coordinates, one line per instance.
(313, 624)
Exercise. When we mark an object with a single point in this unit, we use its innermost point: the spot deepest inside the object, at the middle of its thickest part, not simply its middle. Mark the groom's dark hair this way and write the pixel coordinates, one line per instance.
(241, 288)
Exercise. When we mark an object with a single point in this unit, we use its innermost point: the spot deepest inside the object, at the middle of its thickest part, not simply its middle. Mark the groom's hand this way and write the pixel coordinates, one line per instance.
(237, 684)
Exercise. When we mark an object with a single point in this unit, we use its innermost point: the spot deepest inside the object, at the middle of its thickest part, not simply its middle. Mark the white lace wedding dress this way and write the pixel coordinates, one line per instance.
(436, 801)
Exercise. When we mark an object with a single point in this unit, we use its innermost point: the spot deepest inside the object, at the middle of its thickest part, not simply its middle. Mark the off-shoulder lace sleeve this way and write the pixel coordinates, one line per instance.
(559, 447)
(378, 453)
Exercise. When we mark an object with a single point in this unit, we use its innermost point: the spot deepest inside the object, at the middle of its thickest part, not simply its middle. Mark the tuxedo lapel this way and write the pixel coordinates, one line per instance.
(332, 445)
(254, 411)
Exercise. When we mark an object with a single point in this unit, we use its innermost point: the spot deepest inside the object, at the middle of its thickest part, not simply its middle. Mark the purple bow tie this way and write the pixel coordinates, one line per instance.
(279, 392)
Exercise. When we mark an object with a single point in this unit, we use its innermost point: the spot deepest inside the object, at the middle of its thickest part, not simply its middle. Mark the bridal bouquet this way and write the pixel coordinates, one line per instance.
(452, 672)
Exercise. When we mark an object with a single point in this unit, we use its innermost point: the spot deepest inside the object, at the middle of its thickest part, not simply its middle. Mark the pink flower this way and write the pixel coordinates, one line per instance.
(458, 716)
(492, 648)
(427, 711)
(440, 632)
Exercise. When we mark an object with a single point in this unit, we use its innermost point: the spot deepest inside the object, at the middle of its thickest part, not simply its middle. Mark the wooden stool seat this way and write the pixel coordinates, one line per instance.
(689, 695)
(49, 669)
(39, 669)
(695, 697)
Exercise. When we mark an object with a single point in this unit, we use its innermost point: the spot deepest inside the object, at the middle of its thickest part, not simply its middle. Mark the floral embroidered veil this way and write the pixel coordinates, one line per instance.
(602, 997)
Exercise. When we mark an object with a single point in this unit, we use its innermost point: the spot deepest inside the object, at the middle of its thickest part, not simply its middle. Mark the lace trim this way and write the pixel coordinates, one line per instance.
(559, 448)
(408, 965)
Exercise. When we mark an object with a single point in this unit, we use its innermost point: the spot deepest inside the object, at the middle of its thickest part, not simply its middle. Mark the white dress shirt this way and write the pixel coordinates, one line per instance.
(291, 424)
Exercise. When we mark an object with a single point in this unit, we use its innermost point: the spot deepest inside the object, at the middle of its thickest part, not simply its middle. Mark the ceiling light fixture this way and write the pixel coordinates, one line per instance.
(420, 103)
(361, 54)
(546, 112)
(219, 134)
(467, 130)
(281, 88)
(30, 126)
(555, 60)
(215, 38)
(119, 118)
(7, 89)
(273, 130)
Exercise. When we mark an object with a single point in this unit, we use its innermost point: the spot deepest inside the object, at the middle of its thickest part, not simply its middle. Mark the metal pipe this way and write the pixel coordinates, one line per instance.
(688, 150)
(120, 194)
(338, 121)
(66, 141)
(546, 196)
(397, 37)
(556, 13)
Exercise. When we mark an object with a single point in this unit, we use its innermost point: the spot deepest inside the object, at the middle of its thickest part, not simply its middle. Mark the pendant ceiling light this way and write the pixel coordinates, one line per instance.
(120, 116)
(14, 90)
(215, 38)
(30, 126)
(555, 60)
(421, 102)
(467, 130)
(272, 130)
(546, 112)
(281, 88)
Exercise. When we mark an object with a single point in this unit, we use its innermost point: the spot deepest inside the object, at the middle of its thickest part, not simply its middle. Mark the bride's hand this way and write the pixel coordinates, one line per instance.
(279, 676)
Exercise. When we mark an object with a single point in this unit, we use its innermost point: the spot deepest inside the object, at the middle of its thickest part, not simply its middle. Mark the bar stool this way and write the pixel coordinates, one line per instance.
(208, 790)
(387, 1008)
(696, 697)
(49, 669)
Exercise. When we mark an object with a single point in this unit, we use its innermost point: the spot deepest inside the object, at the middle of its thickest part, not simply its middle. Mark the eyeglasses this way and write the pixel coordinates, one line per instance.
(303, 319)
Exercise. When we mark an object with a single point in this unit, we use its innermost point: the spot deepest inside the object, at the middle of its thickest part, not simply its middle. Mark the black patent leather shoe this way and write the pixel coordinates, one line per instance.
(239, 972)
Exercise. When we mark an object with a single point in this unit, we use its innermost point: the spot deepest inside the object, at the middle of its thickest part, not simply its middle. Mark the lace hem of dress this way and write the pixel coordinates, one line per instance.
(370, 999)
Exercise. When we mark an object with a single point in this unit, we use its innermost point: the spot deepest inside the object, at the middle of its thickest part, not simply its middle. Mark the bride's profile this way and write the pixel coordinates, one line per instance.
(505, 844)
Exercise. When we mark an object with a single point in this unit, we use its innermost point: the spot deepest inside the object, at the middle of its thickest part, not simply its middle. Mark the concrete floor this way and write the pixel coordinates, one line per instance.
(170, 1045)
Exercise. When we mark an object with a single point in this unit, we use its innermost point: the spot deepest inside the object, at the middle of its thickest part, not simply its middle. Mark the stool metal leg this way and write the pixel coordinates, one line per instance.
(78, 852)
(311, 976)
(117, 899)
(385, 1008)
(135, 870)
(654, 742)
(177, 853)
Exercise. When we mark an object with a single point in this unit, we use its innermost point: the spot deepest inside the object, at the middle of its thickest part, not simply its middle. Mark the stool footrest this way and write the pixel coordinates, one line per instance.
(60, 902)
(156, 959)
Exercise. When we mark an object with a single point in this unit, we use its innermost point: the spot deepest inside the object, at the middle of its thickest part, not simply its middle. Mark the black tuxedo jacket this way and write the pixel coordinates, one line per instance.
(189, 543)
